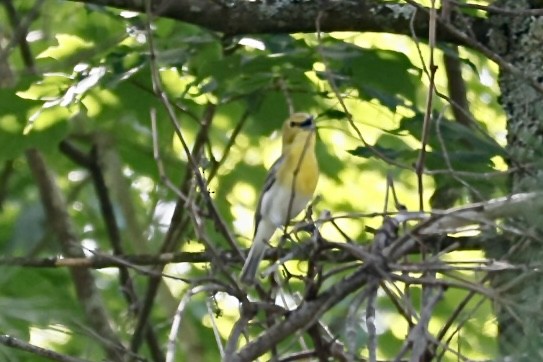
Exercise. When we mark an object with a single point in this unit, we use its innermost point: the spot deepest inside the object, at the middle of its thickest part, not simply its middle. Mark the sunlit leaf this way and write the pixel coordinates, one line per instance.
(68, 45)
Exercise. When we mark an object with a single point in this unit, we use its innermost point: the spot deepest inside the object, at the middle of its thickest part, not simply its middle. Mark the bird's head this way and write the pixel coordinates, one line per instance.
(297, 125)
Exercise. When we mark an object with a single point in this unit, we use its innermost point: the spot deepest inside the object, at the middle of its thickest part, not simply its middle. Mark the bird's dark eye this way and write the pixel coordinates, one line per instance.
(305, 124)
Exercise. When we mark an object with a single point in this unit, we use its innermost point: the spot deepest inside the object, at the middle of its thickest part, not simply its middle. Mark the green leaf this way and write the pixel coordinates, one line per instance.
(333, 114)
(456, 139)
(379, 152)
(49, 125)
(68, 45)
(367, 68)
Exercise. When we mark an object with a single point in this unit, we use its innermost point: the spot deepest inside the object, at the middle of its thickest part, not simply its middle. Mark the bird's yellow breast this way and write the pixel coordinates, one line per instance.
(300, 165)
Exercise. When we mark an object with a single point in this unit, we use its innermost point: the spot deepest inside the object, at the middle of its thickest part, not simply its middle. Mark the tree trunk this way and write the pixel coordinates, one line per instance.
(519, 305)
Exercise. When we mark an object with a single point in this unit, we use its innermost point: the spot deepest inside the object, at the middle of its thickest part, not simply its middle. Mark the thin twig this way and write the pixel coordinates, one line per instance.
(352, 324)
(178, 317)
(370, 322)
(160, 166)
(345, 109)
(417, 337)
(215, 329)
(234, 336)
(16, 343)
(419, 166)
(231, 141)
(448, 162)
(286, 94)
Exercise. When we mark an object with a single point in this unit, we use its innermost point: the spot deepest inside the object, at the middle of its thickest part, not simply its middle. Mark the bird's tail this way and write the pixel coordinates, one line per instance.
(248, 273)
(264, 232)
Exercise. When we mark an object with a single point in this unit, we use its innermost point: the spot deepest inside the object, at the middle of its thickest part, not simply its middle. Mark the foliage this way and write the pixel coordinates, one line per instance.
(92, 89)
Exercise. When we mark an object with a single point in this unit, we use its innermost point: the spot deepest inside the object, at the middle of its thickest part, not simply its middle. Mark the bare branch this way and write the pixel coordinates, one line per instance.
(61, 225)
(13, 342)
(481, 212)
(92, 162)
(419, 167)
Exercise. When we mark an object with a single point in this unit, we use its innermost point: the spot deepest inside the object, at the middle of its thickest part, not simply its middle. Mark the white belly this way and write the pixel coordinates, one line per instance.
(276, 202)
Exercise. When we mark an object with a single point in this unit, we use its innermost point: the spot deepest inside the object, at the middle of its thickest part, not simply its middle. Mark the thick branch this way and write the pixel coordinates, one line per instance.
(64, 230)
(234, 17)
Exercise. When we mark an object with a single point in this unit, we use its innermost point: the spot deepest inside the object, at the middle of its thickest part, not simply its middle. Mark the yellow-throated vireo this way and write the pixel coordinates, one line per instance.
(289, 186)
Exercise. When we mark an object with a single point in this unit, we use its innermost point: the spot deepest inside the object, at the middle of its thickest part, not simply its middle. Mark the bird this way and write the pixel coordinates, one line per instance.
(289, 186)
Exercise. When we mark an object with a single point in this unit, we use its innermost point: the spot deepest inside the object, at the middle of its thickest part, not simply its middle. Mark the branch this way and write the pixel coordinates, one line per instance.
(452, 220)
(236, 17)
(180, 218)
(305, 315)
(92, 163)
(386, 249)
(100, 261)
(62, 227)
(5, 174)
(13, 342)
(227, 257)
(457, 88)
(308, 313)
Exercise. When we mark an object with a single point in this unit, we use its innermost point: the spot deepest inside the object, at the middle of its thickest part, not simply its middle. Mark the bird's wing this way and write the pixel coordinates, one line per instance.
(268, 183)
